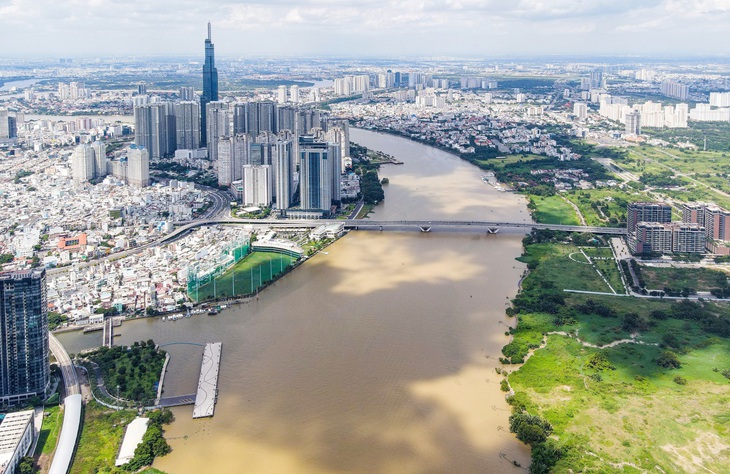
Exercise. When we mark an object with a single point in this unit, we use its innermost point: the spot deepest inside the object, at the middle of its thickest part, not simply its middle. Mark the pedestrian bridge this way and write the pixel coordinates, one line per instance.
(488, 227)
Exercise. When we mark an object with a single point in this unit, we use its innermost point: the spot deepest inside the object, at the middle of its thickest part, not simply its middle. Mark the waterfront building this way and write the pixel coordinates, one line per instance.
(24, 365)
(281, 95)
(210, 86)
(320, 162)
(294, 94)
(138, 166)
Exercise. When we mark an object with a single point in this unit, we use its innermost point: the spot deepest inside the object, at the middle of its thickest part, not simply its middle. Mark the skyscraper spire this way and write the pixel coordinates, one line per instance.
(210, 87)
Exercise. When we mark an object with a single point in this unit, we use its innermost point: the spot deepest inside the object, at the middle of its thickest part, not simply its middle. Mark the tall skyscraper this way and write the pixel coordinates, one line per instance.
(82, 163)
(24, 365)
(232, 155)
(187, 125)
(8, 125)
(187, 93)
(294, 93)
(281, 95)
(210, 86)
(218, 125)
(283, 170)
(138, 166)
(317, 168)
(633, 123)
(99, 158)
(257, 185)
(154, 128)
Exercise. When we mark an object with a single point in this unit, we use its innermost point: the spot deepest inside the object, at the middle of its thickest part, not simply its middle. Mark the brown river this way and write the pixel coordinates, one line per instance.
(376, 356)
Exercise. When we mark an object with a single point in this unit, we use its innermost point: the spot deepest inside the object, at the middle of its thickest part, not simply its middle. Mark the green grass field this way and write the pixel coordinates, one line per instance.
(629, 414)
(553, 210)
(51, 427)
(246, 276)
(701, 279)
(101, 436)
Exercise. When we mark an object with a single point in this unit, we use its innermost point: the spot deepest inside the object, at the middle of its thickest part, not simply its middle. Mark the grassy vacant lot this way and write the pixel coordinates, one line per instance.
(52, 420)
(101, 436)
(553, 210)
(701, 279)
(622, 408)
(250, 273)
(605, 207)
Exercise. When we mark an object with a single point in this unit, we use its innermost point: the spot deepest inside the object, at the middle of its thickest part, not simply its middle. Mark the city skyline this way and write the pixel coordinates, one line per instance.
(371, 28)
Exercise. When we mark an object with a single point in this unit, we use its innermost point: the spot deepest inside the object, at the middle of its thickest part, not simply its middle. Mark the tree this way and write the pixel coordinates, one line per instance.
(530, 429)
(668, 360)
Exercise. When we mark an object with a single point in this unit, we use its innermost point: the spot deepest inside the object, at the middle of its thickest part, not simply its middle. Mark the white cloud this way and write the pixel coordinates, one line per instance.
(375, 27)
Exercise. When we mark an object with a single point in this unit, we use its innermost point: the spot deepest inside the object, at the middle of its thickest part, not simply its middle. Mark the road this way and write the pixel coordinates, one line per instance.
(64, 362)
(221, 204)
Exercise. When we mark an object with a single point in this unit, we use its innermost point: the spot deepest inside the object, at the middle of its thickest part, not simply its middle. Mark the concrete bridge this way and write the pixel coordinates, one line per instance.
(488, 227)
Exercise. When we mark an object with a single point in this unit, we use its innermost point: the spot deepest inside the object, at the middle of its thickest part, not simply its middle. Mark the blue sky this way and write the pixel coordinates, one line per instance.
(481, 28)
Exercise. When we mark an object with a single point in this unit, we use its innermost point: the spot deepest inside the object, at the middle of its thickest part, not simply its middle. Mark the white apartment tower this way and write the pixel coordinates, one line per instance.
(294, 93)
(283, 171)
(281, 95)
(138, 166)
(99, 158)
(257, 185)
(82, 163)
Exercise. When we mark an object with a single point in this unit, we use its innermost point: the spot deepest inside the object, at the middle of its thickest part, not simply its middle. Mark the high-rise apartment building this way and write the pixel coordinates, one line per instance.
(155, 128)
(283, 174)
(257, 185)
(138, 166)
(218, 123)
(82, 163)
(294, 94)
(24, 365)
(320, 169)
(8, 125)
(647, 212)
(633, 123)
(187, 125)
(99, 159)
(210, 86)
(674, 89)
(580, 110)
(187, 94)
(232, 155)
(281, 95)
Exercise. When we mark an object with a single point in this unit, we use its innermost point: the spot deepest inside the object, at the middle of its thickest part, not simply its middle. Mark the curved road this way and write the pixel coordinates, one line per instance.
(67, 367)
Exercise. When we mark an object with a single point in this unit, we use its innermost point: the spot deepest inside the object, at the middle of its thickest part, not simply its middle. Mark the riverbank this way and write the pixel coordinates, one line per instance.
(649, 376)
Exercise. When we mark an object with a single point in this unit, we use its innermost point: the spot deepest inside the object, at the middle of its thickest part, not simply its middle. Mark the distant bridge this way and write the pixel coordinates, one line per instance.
(489, 227)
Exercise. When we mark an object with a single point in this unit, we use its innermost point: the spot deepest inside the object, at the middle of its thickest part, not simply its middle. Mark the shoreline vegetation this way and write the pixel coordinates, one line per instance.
(600, 382)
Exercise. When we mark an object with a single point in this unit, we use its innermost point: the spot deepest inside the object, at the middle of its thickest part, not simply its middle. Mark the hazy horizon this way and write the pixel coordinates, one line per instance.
(368, 28)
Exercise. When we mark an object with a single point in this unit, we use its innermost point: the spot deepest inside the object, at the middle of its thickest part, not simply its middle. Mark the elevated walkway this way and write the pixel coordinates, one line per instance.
(207, 393)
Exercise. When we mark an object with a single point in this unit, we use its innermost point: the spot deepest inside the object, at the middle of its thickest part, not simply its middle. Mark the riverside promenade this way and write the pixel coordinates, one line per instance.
(207, 393)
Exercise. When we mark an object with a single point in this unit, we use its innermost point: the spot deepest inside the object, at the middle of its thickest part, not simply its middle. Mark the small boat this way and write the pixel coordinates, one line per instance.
(213, 311)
